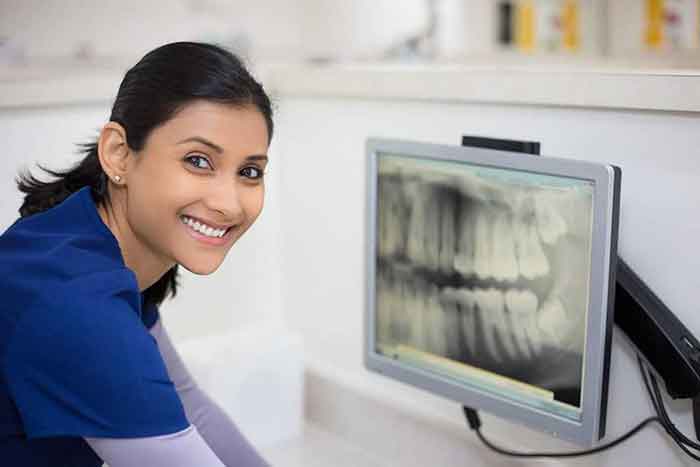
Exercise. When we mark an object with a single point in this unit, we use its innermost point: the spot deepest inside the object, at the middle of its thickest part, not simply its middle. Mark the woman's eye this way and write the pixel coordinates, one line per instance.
(199, 162)
(252, 172)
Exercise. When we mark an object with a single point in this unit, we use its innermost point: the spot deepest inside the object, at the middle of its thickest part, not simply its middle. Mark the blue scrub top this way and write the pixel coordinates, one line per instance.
(76, 357)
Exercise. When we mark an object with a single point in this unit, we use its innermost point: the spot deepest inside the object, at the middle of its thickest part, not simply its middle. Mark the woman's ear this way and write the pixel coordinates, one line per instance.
(113, 152)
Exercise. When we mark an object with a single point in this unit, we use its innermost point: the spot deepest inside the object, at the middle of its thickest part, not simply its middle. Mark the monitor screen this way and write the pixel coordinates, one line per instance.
(489, 280)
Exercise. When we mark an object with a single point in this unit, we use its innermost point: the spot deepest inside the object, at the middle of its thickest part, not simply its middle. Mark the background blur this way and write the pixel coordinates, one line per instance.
(648, 31)
(277, 332)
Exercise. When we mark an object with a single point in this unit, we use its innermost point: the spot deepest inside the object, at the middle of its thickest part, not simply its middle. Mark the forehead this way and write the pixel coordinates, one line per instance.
(237, 129)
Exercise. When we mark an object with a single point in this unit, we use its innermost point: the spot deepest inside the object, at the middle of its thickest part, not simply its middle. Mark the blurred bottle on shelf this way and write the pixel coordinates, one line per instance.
(547, 25)
(571, 25)
(550, 26)
(504, 17)
(525, 32)
(671, 25)
(654, 33)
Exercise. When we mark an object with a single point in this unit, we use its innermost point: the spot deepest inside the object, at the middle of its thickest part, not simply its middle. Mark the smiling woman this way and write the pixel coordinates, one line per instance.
(87, 371)
(218, 175)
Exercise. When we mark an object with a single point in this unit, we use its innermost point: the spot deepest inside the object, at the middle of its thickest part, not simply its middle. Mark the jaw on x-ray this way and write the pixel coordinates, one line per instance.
(485, 269)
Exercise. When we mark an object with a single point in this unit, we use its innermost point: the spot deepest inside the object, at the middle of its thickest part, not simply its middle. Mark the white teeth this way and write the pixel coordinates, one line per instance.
(391, 219)
(432, 231)
(452, 325)
(534, 337)
(491, 303)
(522, 307)
(483, 241)
(464, 298)
(522, 302)
(202, 228)
(415, 245)
(435, 317)
(464, 258)
(504, 264)
(447, 234)
(414, 307)
(383, 310)
(495, 323)
(532, 261)
(550, 224)
(513, 326)
(391, 319)
(552, 320)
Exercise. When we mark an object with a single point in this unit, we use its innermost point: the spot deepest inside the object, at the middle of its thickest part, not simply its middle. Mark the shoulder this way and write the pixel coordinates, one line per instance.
(63, 252)
(67, 240)
(93, 312)
(37, 297)
(76, 355)
(90, 354)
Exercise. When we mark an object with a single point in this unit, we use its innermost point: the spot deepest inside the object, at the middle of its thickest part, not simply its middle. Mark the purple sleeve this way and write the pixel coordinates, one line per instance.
(182, 449)
(217, 429)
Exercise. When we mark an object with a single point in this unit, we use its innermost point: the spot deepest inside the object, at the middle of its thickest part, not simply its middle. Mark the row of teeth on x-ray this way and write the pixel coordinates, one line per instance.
(496, 239)
(441, 230)
(461, 323)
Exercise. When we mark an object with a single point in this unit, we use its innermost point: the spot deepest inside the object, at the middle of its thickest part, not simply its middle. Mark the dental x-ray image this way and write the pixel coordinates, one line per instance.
(487, 267)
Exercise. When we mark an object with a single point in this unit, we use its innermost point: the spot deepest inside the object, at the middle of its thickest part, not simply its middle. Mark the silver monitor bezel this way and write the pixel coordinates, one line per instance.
(599, 315)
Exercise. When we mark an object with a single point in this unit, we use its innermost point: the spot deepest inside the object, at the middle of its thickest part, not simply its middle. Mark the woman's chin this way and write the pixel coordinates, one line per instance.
(201, 268)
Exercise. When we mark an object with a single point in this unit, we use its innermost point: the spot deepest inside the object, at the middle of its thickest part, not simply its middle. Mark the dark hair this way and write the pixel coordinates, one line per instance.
(151, 93)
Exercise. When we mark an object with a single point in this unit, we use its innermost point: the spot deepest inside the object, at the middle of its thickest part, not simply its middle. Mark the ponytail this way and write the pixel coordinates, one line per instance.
(42, 195)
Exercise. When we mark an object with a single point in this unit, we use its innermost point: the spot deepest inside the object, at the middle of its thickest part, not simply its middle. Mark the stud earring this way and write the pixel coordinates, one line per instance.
(117, 178)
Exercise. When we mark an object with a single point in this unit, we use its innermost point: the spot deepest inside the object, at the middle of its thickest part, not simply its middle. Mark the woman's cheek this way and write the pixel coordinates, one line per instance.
(259, 201)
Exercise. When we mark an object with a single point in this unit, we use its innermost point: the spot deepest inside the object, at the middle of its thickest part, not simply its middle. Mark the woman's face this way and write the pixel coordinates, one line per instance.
(197, 185)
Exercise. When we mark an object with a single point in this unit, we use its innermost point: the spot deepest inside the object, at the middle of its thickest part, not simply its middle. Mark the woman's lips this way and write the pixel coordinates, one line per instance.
(214, 241)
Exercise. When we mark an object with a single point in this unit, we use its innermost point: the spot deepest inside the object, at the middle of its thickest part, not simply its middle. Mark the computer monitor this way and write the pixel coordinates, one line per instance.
(491, 279)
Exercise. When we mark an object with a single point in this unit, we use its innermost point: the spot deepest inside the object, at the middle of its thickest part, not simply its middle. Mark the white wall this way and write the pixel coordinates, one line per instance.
(128, 29)
(322, 206)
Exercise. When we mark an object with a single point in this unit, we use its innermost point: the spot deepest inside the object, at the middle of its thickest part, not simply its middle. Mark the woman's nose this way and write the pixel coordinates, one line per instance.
(225, 199)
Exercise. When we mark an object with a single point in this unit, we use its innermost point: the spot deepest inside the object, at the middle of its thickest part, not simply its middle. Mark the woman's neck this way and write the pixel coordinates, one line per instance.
(146, 265)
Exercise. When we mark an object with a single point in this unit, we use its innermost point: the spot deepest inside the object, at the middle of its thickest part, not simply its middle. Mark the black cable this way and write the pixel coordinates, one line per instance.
(664, 423)
(647, 384)
(668, 426)
(475, 424)
(587, 452)
(673, 427)
(655, 394)
(666, 417)
(661, 417)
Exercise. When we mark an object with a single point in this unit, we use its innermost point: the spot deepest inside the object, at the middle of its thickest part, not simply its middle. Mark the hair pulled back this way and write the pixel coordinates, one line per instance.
(151, 93)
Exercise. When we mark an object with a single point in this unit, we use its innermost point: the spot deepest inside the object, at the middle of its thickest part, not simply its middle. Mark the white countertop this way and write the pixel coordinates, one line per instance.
(543, 84)
(319, 447)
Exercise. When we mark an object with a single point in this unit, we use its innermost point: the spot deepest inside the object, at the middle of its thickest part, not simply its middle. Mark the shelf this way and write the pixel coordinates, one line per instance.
(59, 83)
(588, 85)
(553, 85)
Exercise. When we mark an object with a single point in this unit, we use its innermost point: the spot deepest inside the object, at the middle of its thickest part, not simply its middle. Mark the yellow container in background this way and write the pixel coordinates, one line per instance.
(571, 33)
(654, 33)
(525, 26)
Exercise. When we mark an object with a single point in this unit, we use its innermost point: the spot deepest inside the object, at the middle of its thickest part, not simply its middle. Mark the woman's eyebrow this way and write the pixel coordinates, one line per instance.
(219, 149)
(204, 141)
(257, 157)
